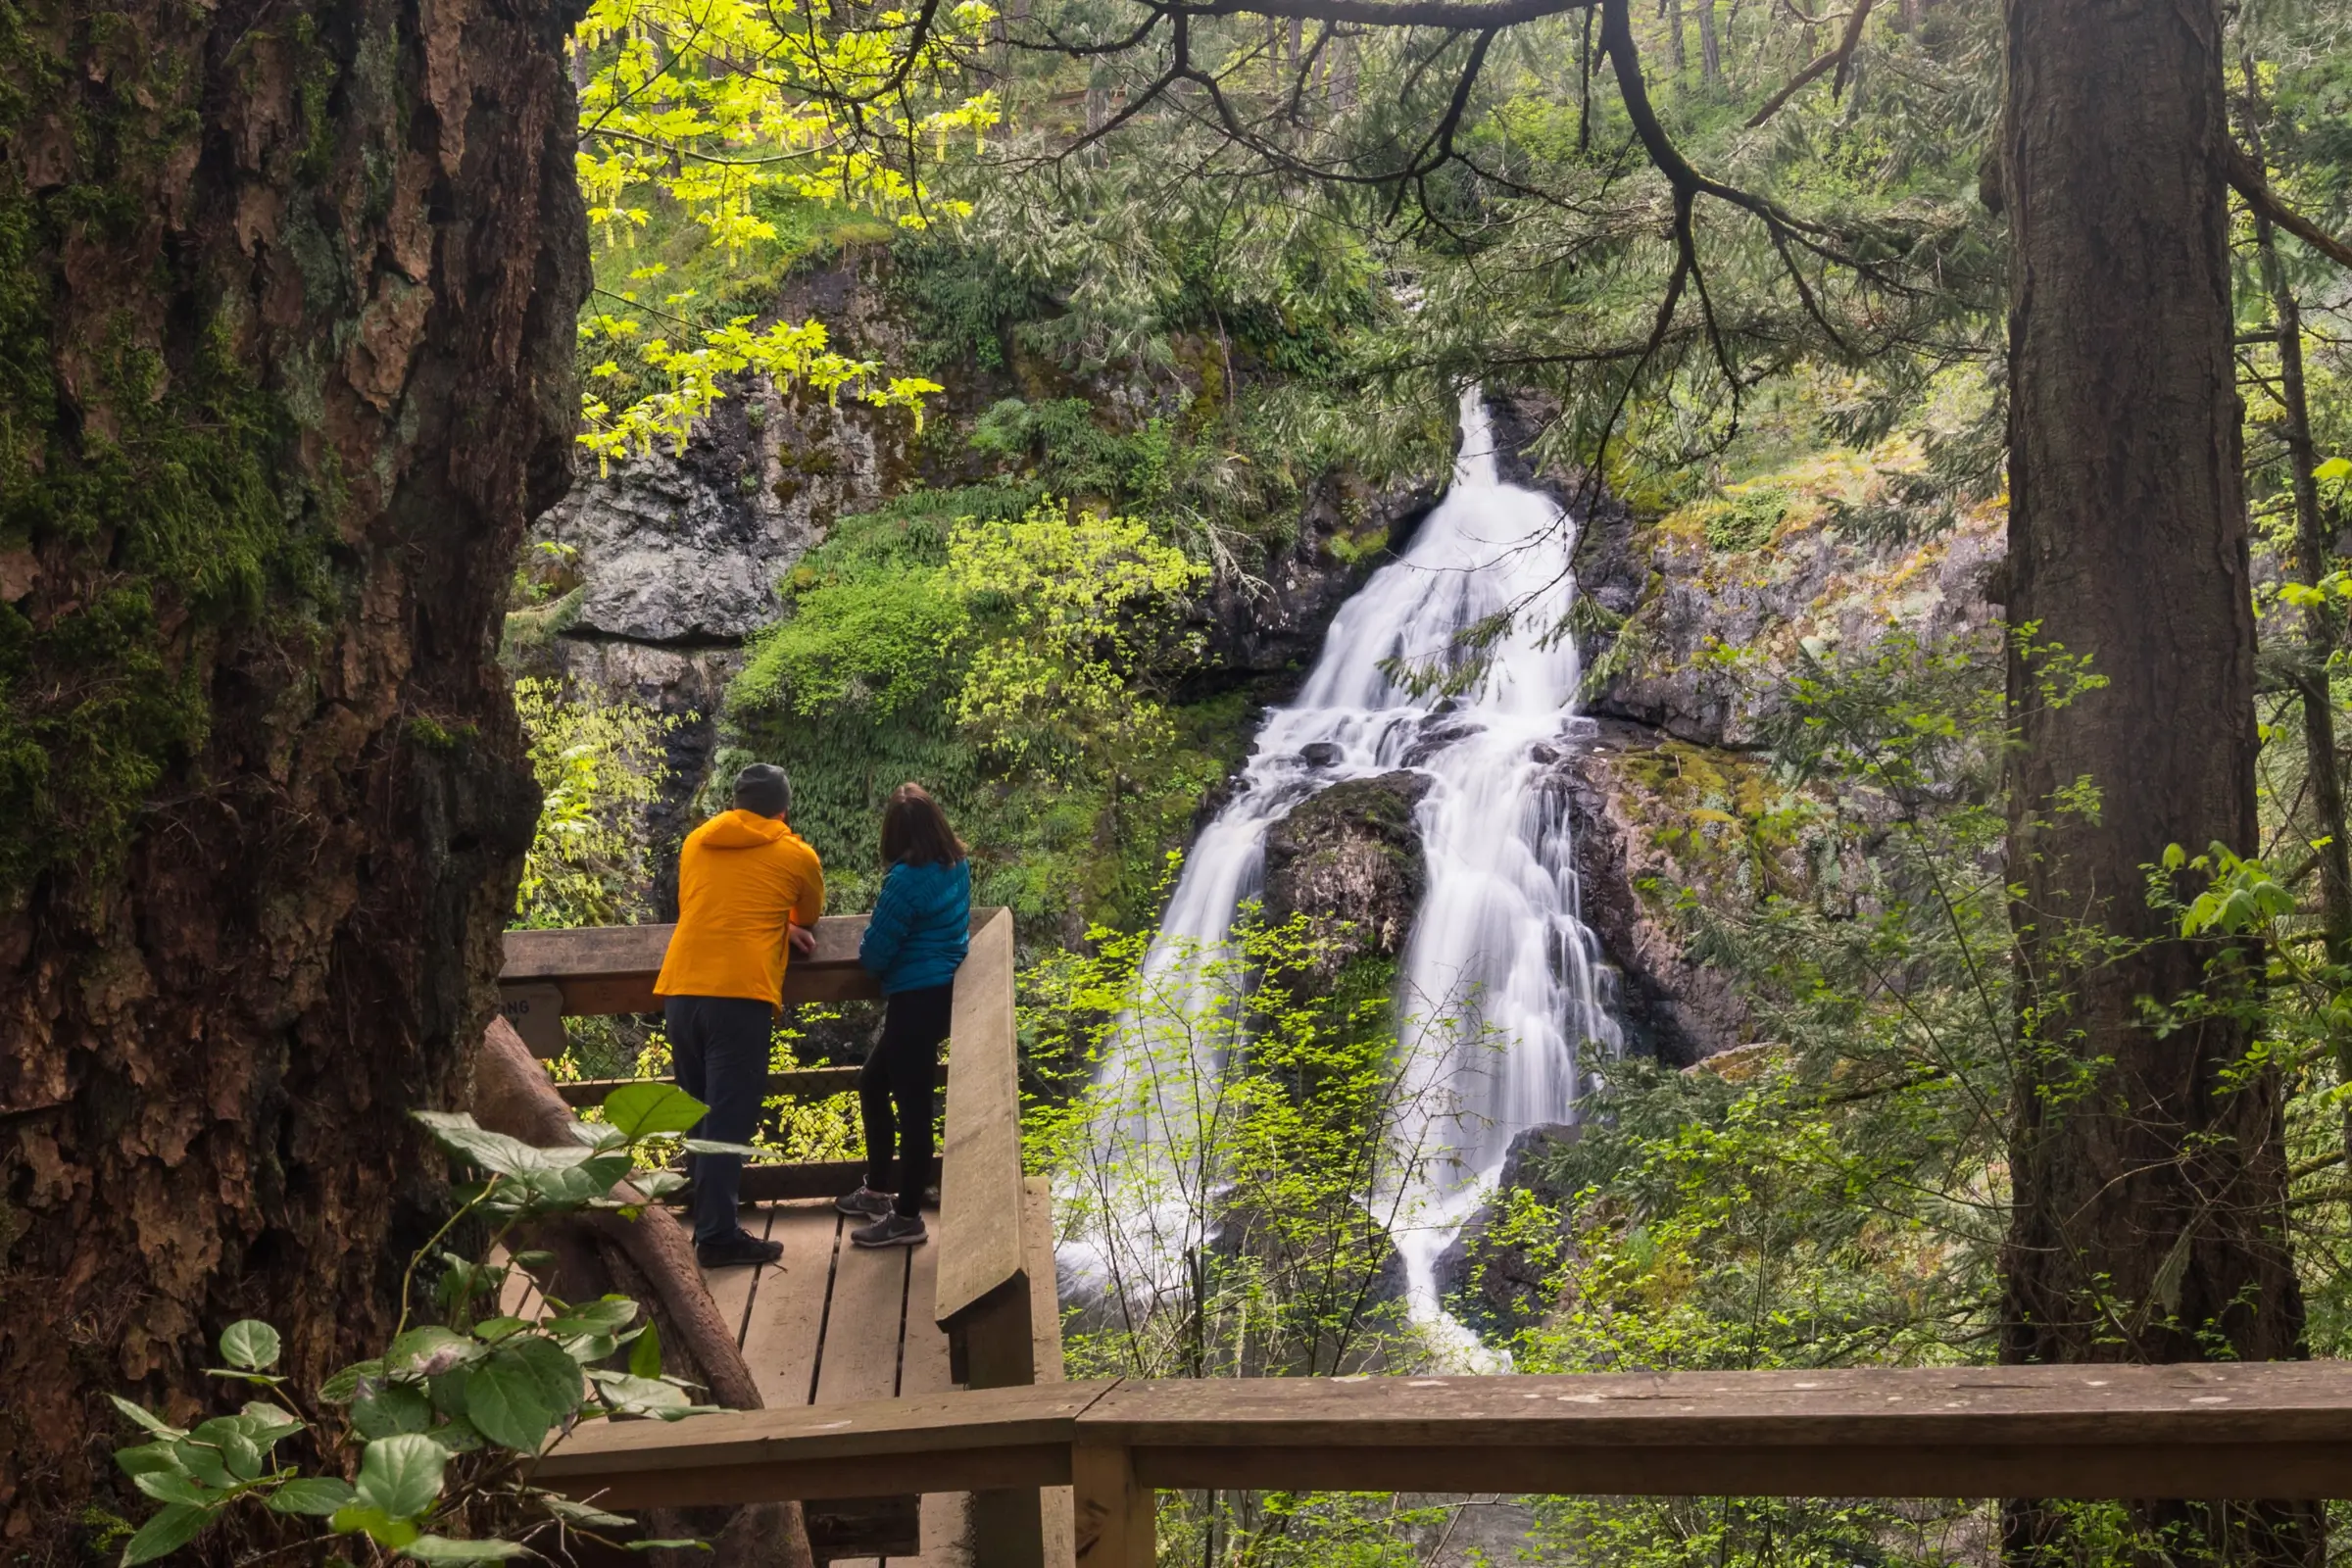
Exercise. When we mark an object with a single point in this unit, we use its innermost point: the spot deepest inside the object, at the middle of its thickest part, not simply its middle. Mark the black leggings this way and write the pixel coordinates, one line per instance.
(898, 1078)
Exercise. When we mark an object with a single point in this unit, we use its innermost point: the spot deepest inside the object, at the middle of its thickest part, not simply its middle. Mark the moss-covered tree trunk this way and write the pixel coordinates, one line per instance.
(286, 304)
(2149, 1173)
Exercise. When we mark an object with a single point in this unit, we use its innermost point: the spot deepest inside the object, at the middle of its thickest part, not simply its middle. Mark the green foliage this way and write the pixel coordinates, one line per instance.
(1009, 656)
(599, 763)
(439, 1423)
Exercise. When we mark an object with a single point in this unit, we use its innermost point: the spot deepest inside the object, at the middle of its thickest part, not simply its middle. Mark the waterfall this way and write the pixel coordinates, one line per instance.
(1496, 942)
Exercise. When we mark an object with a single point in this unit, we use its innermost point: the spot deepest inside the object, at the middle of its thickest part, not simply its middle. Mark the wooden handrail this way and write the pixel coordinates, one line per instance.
(603, 969)
(2225, 1430)
(980, 1169)
(800, 1083)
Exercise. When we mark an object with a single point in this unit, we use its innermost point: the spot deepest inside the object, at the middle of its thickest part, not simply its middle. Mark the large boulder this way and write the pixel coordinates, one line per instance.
(1351, 857)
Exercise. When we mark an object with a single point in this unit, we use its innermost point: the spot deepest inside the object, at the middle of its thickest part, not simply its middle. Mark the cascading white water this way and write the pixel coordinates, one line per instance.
(1499, 977)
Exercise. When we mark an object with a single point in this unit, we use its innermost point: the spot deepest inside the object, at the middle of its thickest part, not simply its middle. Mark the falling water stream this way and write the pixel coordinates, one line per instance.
(1501, 983)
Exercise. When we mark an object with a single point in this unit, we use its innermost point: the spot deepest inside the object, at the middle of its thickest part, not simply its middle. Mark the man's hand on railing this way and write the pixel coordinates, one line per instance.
(803, 940)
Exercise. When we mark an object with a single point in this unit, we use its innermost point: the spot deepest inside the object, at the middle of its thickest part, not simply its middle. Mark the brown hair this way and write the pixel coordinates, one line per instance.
(915, 831)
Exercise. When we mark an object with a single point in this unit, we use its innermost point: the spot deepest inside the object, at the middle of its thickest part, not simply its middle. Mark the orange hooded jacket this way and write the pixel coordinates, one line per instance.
(741, 876)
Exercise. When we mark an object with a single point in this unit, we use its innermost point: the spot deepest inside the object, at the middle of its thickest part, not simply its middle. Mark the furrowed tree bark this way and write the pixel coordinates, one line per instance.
(286, 317)
(2150, 1185)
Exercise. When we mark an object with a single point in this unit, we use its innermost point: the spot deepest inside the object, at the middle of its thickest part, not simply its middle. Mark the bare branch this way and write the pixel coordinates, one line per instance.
(2247, 179)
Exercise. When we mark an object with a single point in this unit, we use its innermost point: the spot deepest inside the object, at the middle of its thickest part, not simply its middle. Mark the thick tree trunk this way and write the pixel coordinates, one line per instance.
(1710, 48)
(286, 313)
(2148, 1171)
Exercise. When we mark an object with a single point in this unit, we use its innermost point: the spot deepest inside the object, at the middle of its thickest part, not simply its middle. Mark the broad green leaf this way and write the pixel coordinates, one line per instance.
(344, 1385)
(424, 1352)
(392, 1409)
(250, 1343)
(491, 1330)
(650, 1110)
(644, 1357)
(264, 1423)
(711, 1146)
(580, 1513)
(149, 1457)
(557, 1374)
(502, 1400)
(239, 1452)
(606, 1316)
(312, 1495)
(440, 1548)
(145, 1417)
(170, 1485)
(660, 1184)
(373, 1523)
(402, 1475)
(170, 1530)
(636, 1395)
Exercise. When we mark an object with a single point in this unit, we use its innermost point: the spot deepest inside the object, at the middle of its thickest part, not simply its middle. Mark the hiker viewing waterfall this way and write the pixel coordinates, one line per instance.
(1499, 988)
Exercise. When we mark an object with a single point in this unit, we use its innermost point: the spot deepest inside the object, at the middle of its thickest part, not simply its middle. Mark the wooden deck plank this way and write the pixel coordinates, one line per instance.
(862, 1328)
(780, 1336)
(731, 1289)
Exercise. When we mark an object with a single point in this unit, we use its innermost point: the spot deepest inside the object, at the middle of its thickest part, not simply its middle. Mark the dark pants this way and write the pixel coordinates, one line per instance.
(898, 1077)
(719, 1044)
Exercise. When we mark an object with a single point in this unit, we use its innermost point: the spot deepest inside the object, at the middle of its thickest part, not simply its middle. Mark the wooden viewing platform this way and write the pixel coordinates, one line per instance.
(835, 1326)
(2212, 1431)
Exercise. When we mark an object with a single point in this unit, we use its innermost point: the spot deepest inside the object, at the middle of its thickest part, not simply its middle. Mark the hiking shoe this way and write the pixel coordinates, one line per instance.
(736, 1251)
(864, 1204)
(893, 1229)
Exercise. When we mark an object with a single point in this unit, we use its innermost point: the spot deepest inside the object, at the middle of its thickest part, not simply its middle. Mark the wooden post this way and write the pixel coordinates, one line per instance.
(1113, 1515)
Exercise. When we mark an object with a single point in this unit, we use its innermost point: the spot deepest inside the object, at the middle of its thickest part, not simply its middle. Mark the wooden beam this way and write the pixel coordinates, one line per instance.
(2256, 1429)
(960, 1442)
(2276, 1430)
(980, 1187)
(800, 1083)
(607, 970)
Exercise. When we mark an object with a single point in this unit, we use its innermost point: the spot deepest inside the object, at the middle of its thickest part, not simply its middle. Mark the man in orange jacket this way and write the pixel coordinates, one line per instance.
(748, 887)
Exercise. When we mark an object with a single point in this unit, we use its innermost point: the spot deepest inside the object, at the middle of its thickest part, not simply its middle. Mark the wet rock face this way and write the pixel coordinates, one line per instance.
(1670, 1007)
(1352, 857)
(1499, 1282)
(691, 549)
(1265, 628)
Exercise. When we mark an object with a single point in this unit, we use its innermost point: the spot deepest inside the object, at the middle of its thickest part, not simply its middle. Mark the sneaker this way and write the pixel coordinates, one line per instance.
(736, 1251)
(893, 1229)
(864, 1203)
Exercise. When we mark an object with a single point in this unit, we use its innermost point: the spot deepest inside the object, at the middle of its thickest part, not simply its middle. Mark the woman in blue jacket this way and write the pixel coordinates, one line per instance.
(915, 938)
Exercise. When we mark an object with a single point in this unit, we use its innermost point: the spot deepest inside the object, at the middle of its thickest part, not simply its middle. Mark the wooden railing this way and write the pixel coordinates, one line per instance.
(2270, 1429)
(994, 1299)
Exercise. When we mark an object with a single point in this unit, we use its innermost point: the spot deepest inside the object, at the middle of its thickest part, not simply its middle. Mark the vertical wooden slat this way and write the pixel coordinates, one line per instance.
(1114, 1516)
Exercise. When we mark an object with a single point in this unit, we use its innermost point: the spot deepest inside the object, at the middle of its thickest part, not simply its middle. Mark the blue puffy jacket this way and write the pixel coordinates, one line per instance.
(919, 929)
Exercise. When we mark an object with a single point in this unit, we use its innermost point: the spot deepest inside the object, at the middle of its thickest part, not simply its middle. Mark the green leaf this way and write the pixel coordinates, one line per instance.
(227, 1434)
(650, 1110)
(502, 1400)
(144, 1417)
(421, 1352)
(580, 1513)
(392, 1409)
(149, 1457)
(170, 1485)
(558, 1375)
(312, 1495)
(250, 1343)
(344, 1385)
(402, 1475)
(644, 1357)
(607, 1314)
(636, 1395)
(440, 1548)
(264, 1423)
(170, 1530)
(712, 1146)
(491, 1330)
(373, 1523)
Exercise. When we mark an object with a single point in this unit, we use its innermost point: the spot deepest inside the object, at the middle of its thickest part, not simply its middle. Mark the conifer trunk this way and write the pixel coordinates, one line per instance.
(286, 312)
(2150, 1185)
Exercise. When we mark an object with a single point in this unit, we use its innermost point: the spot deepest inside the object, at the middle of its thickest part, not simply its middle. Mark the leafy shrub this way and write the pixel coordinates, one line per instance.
(436, 1432)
